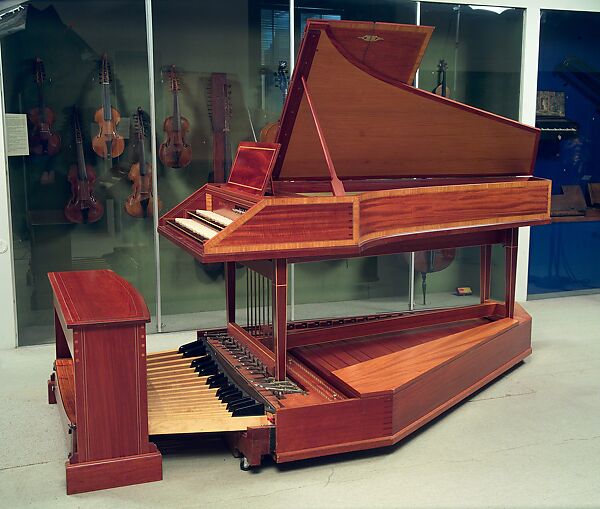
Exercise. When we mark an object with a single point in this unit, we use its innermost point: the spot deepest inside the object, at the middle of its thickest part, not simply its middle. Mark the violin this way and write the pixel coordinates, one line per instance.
(436, 260)
(140, 201)
(83, 207)
(269, 132)
(107, 143)
(42, 141)
(175, 152)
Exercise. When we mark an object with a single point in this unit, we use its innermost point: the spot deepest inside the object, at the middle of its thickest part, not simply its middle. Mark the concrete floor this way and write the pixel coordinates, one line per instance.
(531, 439)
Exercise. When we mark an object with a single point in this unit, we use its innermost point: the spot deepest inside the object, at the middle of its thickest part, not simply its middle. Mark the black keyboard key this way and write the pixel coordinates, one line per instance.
(252, 409)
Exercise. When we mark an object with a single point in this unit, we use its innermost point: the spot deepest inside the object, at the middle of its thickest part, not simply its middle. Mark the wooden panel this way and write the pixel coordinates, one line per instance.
(377, 128)
(391, 372)
(65, 378)
(252, 166)
(290, 224)
(391, 51)
(437, 387)
(99, 475)
(406, 321)
(96, 297)
(340, 422)
(384, 213)
(111, 396)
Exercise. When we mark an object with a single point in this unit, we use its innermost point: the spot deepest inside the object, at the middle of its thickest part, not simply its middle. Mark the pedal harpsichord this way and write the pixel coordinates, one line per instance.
(364, 164)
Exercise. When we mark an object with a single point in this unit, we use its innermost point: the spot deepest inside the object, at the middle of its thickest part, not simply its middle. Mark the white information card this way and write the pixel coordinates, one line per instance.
(17, 143)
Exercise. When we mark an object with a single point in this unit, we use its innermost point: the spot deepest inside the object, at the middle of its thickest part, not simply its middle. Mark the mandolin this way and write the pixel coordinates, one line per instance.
(427, 262)
(83, 207)
(175, 152)
(140, 201)
(107, 143)
(42, 141)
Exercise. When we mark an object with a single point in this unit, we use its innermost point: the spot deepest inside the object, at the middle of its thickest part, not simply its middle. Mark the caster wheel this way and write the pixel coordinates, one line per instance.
(236, 453)
(245, 464)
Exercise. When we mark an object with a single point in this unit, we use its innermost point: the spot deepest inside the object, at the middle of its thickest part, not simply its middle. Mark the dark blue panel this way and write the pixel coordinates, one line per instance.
(565, 256)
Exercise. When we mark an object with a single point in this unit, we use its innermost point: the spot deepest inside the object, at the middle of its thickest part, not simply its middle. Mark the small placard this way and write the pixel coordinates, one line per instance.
(464, 290)
(17, 143)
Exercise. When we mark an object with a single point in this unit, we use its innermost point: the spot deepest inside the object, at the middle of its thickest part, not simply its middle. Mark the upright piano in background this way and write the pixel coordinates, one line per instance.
(364, 164)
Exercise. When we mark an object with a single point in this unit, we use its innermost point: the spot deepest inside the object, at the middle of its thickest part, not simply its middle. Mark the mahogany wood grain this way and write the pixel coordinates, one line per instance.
(410, 320)
(376, 128)
(337, 187)
(321, 223)
(97, 297)
(393, 371)
(111, 473)
(253, 444)
(65, 379)
(432, 389)
(108, 400)
(279, 289)
(417, 403)
(386, 50)
(326, 358)
(252, 167)
(262, 228)
(338, 422)
(438, 208)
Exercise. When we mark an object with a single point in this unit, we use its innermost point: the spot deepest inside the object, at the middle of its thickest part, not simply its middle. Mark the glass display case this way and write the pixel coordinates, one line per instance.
(52, 72)
(220, 71)
(563, 254)
(464, 61)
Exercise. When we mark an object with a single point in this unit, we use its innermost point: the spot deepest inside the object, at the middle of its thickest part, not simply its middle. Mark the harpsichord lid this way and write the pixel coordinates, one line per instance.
(375, 124)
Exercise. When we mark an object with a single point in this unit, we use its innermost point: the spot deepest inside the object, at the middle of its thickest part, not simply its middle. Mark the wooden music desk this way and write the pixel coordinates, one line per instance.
(99, 379)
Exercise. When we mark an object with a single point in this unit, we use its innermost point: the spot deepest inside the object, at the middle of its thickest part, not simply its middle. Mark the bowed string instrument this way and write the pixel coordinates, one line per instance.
(282, 80)
(107, 143)
(140, 202)
(83, 207)
(435, 260)
(175, 152)
(42, 141)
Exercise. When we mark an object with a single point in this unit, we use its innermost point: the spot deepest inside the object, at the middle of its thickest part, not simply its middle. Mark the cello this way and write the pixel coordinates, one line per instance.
(435, 260)
(107, 143)
(83, 207)
(140, 201)
(42, 141)
(175, 152)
